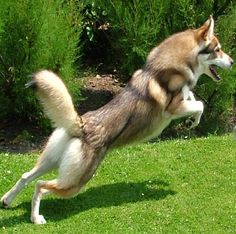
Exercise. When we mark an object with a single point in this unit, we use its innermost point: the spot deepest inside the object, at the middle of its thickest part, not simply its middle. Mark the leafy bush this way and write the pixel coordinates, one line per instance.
(95, 35)
(136, 26)
(35, 35)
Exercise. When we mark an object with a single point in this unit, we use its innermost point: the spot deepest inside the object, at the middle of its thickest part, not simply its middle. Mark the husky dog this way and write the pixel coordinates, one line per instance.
(155, 95)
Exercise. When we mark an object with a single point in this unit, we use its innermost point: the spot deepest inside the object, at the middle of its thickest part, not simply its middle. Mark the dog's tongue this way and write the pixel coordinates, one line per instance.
(214, 73)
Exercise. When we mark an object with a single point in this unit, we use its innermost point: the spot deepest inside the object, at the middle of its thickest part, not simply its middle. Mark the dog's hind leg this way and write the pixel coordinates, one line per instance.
(76, 168)
(45, 187)
(46, 162)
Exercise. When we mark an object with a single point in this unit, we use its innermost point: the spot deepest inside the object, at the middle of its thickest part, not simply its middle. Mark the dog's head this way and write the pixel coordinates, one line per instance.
(210, 54)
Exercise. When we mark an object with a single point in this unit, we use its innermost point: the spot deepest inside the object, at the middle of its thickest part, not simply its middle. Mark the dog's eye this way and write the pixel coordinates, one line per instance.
(217, 50)
(205, 51)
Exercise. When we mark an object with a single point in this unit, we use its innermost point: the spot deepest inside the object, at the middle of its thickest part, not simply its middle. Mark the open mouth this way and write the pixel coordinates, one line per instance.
(214, 73)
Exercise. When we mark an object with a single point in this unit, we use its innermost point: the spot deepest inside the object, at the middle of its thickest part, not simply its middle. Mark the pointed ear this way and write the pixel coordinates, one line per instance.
(206, 31)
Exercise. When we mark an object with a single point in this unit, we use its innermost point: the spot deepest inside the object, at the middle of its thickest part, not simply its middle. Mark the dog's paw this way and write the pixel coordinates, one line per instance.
(4, 202)
(194, 120)
(191, 123)
(38, 219)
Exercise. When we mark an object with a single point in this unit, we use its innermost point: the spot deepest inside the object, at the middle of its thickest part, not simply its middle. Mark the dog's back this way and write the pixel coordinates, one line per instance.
(129, 117)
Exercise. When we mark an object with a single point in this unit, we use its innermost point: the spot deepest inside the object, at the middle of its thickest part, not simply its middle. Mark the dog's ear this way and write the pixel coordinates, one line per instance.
(206, 31)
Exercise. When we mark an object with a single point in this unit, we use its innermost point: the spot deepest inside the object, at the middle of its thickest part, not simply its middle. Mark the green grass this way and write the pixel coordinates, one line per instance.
(176, 186)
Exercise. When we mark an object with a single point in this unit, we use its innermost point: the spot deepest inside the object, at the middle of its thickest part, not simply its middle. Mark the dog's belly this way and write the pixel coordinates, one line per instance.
(156, 128)
(144, 132)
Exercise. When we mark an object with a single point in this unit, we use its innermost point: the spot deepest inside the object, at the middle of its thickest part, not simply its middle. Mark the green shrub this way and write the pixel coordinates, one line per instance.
(136, 26)
(35, 35)
(95, 35)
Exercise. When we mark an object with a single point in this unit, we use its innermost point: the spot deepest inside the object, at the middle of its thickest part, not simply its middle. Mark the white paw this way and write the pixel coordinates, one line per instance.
(4, 202)
(194, 124)
(191, 123)
(39, 219)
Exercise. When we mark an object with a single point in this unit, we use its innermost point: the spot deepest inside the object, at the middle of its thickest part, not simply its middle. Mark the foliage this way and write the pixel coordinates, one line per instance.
(95, 35)
(137, 26)
(35, 35)
(177, 186)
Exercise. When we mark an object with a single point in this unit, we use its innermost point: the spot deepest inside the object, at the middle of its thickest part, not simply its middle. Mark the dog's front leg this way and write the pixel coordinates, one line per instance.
(189, 108)
(191, 96)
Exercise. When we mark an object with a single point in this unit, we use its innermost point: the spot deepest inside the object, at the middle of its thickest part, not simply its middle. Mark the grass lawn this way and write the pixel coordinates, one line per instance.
(175, 186)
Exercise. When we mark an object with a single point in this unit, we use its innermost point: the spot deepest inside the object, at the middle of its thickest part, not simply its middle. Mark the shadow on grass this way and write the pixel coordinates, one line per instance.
(96, 197)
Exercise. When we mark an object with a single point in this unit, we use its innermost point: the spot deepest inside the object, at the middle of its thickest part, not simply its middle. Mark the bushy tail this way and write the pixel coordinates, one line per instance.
(56, 101)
